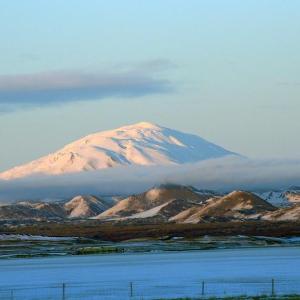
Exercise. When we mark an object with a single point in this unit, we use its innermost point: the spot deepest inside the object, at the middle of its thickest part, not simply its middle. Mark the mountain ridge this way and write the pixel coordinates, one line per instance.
(167, 203)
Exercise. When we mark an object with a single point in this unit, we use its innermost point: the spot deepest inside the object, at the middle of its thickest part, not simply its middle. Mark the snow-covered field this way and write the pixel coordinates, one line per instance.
(153, 275)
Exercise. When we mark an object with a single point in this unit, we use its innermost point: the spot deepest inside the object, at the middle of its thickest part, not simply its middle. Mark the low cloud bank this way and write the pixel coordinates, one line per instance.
(224, 174)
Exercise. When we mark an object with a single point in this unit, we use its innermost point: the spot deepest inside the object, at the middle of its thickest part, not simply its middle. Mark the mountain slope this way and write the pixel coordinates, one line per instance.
(85, 207)
(237, 205)
(153, 201)
(165, 211)
(284, 214)
(32, 211)
(282, 198)
(138, 144)
(78, 207)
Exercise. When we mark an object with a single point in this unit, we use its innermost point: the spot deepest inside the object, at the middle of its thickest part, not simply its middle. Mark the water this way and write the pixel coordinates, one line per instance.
(153, 275)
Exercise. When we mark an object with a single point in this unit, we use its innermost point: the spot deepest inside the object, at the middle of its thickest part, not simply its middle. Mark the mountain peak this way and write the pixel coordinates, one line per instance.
(140, 125)
(145, 125)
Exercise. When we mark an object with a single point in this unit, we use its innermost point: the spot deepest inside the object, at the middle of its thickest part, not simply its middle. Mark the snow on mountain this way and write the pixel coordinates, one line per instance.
(237, 205)
(182, 204)
(293, 196)
(164, 211)
(165, 200)
(85, 206)
(276, 198)
(284, 214)
(160, 204)
(281, 198)
(139, 144)
(81, 206)
(37, 211)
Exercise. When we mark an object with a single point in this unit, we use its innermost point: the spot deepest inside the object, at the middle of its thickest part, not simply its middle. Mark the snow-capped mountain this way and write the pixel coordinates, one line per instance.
(281, 198)
(139, 144)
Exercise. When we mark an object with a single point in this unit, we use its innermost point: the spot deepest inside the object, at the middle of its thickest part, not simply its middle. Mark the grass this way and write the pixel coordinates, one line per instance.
(98, 250)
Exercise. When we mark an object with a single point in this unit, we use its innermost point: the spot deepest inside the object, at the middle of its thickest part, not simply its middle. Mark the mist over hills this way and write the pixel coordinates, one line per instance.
(269, 177)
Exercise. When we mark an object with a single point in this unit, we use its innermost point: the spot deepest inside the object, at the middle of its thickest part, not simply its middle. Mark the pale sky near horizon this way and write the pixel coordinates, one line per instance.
(228, 71)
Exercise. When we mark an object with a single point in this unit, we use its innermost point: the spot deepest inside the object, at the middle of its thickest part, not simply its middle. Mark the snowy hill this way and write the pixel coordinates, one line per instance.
(284, 214)
(139, 144)
(182, 204)
(237, 205)
(81, 206)
(85, 206)
(165, 198)
(161, 204)
(33, 211)
(281, 198)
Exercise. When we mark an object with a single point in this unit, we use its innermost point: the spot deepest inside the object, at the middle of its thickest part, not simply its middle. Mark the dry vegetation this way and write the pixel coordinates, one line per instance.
(119, 232)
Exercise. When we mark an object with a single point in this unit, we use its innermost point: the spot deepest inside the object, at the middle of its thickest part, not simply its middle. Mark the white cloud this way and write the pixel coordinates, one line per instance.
(56, 87)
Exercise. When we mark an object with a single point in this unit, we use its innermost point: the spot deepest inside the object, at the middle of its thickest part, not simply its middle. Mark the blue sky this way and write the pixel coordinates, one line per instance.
(226, 70)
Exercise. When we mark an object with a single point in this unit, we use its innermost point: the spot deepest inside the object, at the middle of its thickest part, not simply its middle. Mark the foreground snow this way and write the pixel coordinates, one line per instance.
(154, 275)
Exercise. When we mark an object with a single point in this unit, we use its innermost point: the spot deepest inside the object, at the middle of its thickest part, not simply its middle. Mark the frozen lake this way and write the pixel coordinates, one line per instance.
(153, 275)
